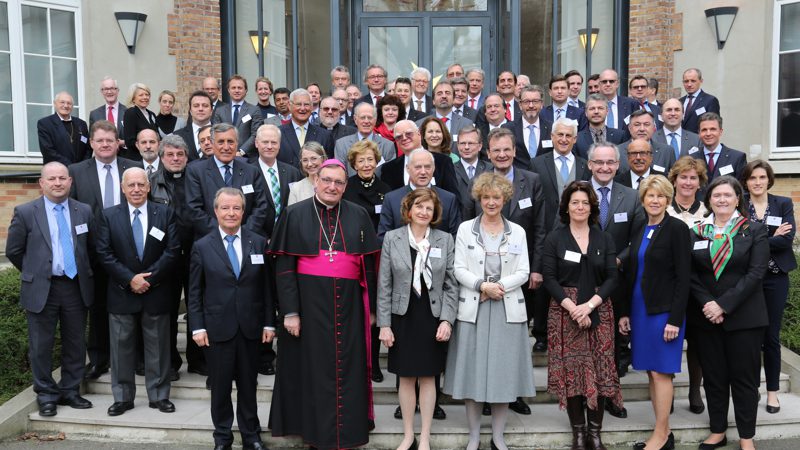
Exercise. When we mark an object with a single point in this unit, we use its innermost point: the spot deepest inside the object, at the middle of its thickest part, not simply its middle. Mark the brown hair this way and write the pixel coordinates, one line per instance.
(361, 147)
(685, 163)
(757, 164)
(447, 139)
(566, 196)
(419, 195)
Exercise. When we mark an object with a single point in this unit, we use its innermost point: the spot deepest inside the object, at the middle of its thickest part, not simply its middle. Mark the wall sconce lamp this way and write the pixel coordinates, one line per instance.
(721, 21)
(130, 24)
(254, 41)
(582, 35)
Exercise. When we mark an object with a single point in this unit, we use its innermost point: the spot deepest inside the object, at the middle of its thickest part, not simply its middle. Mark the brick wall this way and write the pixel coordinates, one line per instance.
(194, 39)
(655, 33)
(14, 192)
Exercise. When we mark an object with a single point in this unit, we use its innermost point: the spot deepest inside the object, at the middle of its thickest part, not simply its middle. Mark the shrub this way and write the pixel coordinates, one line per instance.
(16, 372)
(790, 330)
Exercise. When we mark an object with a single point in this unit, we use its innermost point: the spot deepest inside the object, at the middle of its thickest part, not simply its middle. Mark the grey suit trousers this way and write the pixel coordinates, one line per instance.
(155, 334)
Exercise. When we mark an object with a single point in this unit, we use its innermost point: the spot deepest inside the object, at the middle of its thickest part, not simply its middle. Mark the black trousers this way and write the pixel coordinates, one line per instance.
(229, 361)
(731, 362)
(776, 290)
(538, 308)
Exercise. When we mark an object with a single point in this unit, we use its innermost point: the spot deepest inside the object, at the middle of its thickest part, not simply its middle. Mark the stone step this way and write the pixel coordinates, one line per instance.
(547, 427)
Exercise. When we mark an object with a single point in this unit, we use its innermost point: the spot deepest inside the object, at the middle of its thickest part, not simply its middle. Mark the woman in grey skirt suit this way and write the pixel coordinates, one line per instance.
(489, 358)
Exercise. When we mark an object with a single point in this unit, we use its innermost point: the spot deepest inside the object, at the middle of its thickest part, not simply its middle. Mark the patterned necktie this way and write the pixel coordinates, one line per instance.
(638, 182)
(235, 114)
(471, 172)
(150, 169)
(108, 200)
(228, 175)
(232, 255)
(610, 118)
(689, 103)
(302, 137)
(558, 113)
(711, 163)
(564, 169)
(603, 206)
(458, 111)
(275, 187)
(673, 141)
(419, 105)
(508, 111)
(138, 233)
(65, 241)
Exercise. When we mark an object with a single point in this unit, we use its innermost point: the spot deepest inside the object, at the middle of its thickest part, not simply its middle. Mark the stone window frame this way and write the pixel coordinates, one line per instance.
(779, 153)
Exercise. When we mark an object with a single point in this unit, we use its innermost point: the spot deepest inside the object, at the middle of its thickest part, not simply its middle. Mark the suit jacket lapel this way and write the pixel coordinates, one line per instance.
(219, 247)
(237, 174)
(550, 169)
(40, 215)
(63, 137)
(617, 196)
(402, 248)
(91, 172)
(519, 185)
(213, 173)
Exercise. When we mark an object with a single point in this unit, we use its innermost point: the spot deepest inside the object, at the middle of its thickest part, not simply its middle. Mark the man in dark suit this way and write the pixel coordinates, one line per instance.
(277, 174)
(620, 214)
(443, 110)
(205, 178)
(638, 88)
(342, 100)
(640, 163)
(672, 133)
(48, 242)
(96, 182)
(200, 112)
(402, 90)
(365, 119)
(375, 78)
(212, 88)
(531, 131)
(619, 108)
(230, 314)
(329, 119)
(139, 257)
(506, 87)
(420, 100)
(559, 93)
(696, 102)
(408, 139)
(63, 137)
(242, 115)
(299, 130)
(596, 111)
(719, 159)
(460, 94)
(112, 110)
(470, 166)
(575, 84)
(642, 126)
(491, 116)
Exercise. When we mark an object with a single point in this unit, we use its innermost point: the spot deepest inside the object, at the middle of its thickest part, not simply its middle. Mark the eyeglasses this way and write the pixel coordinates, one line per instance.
(406, 135)
(329, 181)
(639, 154)
(109, 89)
(329, 109)
(608, 81)
(376, 77)
(530, 102)
(302, 105)
(643, 86)
(601, 163)
(311, 159)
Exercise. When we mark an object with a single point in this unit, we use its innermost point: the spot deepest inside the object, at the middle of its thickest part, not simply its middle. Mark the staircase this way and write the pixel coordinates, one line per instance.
(547, 427)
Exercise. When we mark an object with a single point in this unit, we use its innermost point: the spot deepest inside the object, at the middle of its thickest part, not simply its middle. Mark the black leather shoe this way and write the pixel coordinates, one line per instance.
(697, 409)
(200, 370)
(620, 413)
(208, 383)
(94, 372)
(487, 409)
(222, 447)
(622, 371)
(773, 409)
(540, 347)
(722, 443)
(255, 446)
(48, 409)
(377, 376)
(519, 407)
(165, 406)
(266, 369)
(494, 447)
(140, 371)
(668, 445)
(438, 412)
(398, 414)
(76, 402)
(119, 408)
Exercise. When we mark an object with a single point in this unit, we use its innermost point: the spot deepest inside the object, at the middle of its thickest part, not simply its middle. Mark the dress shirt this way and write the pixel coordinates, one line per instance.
(449, 120)
(296, 127)
(467, 165)
(635, 178)
(509, 176)
(375, 97)
(265, 170)
(492, 127)
(473, 101)
(156, 164)
(678, 134)
(114, 112)
(142, 218)
(615, 109)
(423, 107)
(596, 186)
(694, 99)
(361, 137)
(557, 159)
(573, 102)
(221, 167)
(101, 176)
(563, 109)
(511, 104)
(58, 254)
(195, 131)
(537, 130)
(233, 109)
(717, 151)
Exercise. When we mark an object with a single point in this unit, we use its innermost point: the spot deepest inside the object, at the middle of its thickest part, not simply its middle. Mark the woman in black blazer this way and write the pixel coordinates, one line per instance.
(137, 118)
(729, 259)
(778, 214)
(658, 280)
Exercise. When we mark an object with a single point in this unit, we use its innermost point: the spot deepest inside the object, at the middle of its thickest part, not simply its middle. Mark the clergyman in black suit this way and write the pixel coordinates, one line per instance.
(96, 182)
(62, 136)
(230, 313)
(140, 257)
(299, 130)
(54, 229)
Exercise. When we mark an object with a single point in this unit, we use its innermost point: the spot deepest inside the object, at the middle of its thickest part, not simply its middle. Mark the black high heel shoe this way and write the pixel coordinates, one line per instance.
(494, 447)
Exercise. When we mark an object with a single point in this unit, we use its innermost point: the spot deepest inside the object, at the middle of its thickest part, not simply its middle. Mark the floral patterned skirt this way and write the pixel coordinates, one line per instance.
(581, 361)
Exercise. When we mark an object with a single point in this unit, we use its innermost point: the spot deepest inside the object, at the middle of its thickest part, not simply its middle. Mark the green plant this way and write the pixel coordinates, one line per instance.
(790, 330)
(15, 374)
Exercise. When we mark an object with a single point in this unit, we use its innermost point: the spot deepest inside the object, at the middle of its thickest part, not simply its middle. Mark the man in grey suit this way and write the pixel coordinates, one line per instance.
(642, 125)
(112, 110)
(242, 115)
(139, 257)
(48, 242)
(443, 110)
(365, 116)
(682, 141)
(470, 166)
(460, 94)
(620, 214)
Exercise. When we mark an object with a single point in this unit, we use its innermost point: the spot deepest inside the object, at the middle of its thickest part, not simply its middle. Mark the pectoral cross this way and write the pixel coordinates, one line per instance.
(330, 254)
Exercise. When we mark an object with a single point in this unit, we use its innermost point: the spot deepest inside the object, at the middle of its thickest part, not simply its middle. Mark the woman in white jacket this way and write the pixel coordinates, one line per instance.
(489, 356)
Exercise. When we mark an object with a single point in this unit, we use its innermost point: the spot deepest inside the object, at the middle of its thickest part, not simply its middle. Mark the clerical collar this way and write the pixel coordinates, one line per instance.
(173, 175)
(320, 204)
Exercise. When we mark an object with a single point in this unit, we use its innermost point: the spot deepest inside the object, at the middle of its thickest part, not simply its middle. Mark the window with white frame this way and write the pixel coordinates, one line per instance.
(786, 79)
(40, 55)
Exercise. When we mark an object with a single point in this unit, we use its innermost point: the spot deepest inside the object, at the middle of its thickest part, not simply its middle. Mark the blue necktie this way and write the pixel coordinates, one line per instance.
(138, 234)
(232, 255)
(603, 206)
(533, 143)
(610, 118)
(558, 113)
(65, 240)
(235, 113)
(674, 143)
(228, 175)
(564, 169)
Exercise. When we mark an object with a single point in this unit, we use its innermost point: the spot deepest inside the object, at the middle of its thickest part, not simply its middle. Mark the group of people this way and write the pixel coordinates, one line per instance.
(441, 227)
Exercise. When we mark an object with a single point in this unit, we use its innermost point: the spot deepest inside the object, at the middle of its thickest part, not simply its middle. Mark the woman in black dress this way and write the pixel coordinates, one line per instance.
(364, 188)
(166, 121)
(417, 293)
(137, 118)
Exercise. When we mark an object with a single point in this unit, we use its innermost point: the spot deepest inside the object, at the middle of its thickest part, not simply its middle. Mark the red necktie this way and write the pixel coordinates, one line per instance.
(508, 111)
(689, 105)
(711, 162)
(110, 114)
(378, 98)
(472, 103)
(444, 120)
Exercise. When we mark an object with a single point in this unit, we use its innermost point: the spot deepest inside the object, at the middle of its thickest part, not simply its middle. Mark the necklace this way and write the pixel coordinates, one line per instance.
(367, 184)
(330, 253)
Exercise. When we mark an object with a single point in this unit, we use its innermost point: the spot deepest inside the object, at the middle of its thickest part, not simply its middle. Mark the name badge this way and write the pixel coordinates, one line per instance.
(378, 209)
(620, 217)
(693, 150)
(273, 115)
(525, 203)
(774, 221)
(156, 233)
(247, 189)
(515, 249)
(700, 111)
(84, 139)
(650, 234)
(455, 138)
(547, 144)
(700, 245)
(82, 228)
(433, 181)
(724, 170)
(256, 259)
(627, 120)
(435, 252)
(658, 168)
(572, 256)
(246, 118)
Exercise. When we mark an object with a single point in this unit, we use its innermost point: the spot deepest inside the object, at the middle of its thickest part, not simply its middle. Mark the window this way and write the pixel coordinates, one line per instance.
(40, 55)
(785, 138)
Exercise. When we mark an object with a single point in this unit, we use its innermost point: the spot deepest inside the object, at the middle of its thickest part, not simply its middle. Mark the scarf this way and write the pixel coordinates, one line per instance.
(721, 244)
(422, 261)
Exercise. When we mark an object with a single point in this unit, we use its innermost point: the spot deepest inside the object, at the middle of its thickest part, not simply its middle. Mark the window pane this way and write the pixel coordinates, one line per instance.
(5, 77)
(455, 45)
(790, 32)
(4, 26)
(394, 48)
(36, 112)
(788, 124)
(63, 26)
(6, 128)
(536, 50)
(65, 76)
(37, 79)
(789, 76)
(389, 5)
(455, 5)
(34, 30)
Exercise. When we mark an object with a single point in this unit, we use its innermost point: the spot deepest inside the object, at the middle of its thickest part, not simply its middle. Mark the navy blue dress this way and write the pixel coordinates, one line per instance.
(648, 348)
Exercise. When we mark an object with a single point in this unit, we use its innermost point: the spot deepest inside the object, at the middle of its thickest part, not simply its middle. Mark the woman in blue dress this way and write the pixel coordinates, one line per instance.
(658, 278)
